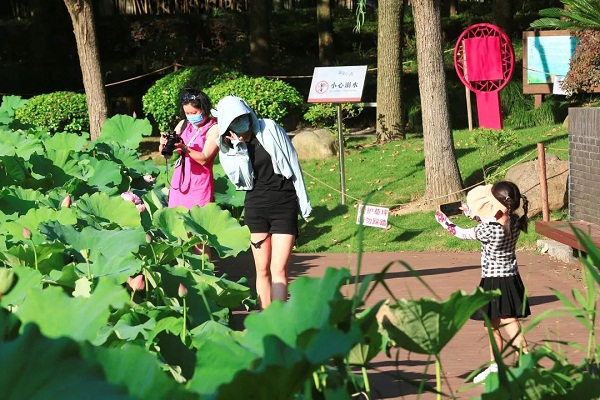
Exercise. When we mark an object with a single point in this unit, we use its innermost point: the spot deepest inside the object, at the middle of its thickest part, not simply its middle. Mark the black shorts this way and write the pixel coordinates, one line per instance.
(281, 218)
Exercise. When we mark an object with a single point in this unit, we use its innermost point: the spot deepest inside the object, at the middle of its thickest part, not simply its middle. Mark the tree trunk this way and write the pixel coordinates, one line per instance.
(260, 37)
(503, 12)
(442, 177)
(390, 110)
(82, 16)
(325, 29)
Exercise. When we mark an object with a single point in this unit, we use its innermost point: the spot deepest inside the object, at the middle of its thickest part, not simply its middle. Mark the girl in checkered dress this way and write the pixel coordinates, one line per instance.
(494, 206)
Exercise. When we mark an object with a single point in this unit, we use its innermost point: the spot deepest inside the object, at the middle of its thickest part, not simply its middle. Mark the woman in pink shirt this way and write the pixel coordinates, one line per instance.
(192, 183)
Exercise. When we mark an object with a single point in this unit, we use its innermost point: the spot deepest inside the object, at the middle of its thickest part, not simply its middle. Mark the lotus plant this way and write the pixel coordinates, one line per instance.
(182, 292)
(135, 199)
(136, 284)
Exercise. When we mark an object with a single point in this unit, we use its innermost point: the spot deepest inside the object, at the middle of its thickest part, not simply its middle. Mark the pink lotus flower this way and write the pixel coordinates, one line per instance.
(182, 291)
(67, 201)
(141, 207)
(132, 197)
(137, 283)
(150, 179)
(26, 233)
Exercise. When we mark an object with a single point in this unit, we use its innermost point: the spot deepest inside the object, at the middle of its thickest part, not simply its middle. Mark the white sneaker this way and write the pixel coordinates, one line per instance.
(480, 377)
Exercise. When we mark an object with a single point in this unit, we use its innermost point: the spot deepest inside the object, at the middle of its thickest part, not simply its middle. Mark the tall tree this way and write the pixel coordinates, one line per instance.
(503, 12)
(82, 17)
(442, 177)
(260, 36)
(390, 109)
(325, 29)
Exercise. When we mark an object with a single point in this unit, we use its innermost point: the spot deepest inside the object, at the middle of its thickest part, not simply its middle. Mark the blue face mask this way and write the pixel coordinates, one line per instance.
(240, 125)
(195, 119)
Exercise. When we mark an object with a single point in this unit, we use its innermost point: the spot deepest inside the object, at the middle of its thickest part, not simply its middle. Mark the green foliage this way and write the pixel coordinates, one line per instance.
(162, 99)
(325, 114)
(56, 112)
(546, 114)
(576, 15)
(584, 74)
(269, 98)
(490, 142)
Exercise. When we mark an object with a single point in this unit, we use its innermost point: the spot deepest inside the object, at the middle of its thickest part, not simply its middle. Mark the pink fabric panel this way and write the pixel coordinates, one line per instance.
(488, 110)
(483, 59)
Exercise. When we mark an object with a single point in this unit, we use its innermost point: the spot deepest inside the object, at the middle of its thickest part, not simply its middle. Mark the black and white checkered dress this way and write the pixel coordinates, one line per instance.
(499, 271)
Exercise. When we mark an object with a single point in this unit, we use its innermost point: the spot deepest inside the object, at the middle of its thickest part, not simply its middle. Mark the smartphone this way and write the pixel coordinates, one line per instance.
(452, 208)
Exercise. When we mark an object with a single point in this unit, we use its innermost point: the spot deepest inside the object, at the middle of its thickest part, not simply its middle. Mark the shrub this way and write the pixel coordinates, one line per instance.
(162, 99)
(269, 98)
(584, 73)
(56, 112)
(325, 114)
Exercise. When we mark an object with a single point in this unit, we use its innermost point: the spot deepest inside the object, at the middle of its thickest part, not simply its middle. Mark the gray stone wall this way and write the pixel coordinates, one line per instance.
(584, 164)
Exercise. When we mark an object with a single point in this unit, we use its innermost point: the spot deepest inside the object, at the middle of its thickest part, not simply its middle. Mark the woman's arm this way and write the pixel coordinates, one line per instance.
(208, 153)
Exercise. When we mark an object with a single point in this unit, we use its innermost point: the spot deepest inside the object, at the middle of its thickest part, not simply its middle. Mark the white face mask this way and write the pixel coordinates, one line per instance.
(240, 125)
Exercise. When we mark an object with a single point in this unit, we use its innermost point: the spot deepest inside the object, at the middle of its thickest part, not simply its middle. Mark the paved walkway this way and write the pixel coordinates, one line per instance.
(445, 273)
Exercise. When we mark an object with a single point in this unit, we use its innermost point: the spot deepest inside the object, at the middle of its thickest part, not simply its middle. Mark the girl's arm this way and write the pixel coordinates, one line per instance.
(459, 232)
(209, 151)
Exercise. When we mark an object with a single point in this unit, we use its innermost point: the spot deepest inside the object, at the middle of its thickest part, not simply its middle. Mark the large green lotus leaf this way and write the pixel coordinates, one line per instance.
(129, 327)
(20, 144)
(371, 343)
(104, 209)
(170, 222)
(9, 105)
(128, 158)
(115, 265)
(223, 367)
(34, 217)
(18, 200)
(27, 278)
(312, 303)
(139, 371)
(60, 167)
(49, 256)
(79, 318)
(225, 192)
(13, 171)
(110, 251)
(125, 131)
(218, 359)
(425, 325)
(228, 293)
(223, 232)
(35, 367)
(106, 176)
(63, 141)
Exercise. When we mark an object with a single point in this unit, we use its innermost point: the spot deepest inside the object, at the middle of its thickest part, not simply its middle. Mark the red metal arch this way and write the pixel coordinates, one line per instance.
(507, 55)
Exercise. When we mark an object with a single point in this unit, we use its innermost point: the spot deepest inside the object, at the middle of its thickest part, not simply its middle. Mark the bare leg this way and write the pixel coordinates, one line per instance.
(495, 322)
(512, 327)
(262, 262)
(281, 249)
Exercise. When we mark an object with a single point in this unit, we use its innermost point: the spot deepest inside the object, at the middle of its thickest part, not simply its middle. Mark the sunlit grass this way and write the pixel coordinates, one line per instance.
(393, 174)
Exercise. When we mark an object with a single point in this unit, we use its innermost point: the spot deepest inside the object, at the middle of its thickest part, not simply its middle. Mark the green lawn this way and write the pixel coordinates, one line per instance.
(393, 174)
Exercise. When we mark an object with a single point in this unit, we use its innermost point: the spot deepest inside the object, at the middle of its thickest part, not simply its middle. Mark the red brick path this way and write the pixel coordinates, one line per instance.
(445, 273)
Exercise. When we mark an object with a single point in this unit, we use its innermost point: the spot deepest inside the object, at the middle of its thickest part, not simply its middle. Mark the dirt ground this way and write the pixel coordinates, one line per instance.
(445, 273)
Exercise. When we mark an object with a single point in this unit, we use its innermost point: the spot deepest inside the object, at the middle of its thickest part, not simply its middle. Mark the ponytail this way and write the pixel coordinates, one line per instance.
(523, 220)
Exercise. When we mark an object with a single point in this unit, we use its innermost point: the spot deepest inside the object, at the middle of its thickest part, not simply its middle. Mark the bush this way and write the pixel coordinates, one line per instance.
(162, 99)
(325, 114)
(56, 112)
(269, 98)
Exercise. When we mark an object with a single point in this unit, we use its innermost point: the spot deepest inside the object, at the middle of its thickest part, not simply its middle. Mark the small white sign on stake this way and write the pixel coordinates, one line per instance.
(337, 84)
(373, 216)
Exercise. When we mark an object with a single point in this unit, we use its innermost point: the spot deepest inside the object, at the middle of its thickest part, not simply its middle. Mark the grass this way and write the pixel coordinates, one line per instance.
(393, 175)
